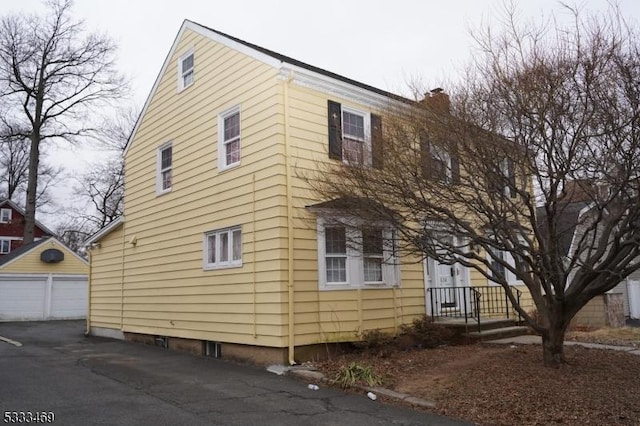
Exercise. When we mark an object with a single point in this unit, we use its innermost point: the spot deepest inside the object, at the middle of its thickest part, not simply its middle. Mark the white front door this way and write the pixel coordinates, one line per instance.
(446, 287)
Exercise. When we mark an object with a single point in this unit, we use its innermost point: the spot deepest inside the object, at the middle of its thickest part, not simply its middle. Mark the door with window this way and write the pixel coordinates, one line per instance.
(447, 286)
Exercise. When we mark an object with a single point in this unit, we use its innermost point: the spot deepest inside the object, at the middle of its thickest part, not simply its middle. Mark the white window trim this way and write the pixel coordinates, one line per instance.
(504, 169)
(2, 241)
(355, 258)
(231, 263)
(510, 277)
(221, 142)
(159, 189)
(367, 134)
(2, 211)
(181, 85)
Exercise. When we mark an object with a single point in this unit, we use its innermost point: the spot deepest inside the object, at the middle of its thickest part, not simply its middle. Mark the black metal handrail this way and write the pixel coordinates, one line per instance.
(455, 302)
(473, 302)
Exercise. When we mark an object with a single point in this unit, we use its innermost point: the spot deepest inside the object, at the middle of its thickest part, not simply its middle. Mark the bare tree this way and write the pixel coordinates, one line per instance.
(103, 189)
(51, 76)
(100, 191)
(14, 172)
(542, 115)
(14, 165)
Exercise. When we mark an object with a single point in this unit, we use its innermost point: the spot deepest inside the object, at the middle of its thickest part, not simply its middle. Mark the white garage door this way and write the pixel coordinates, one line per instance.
(69, 298)
(42, 298)
(23, 298)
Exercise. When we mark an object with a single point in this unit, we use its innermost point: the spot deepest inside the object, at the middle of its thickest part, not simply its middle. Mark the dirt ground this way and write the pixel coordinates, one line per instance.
(508, 385)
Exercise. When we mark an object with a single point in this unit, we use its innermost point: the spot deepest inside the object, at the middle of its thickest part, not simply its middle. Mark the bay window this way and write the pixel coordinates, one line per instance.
(351, 256)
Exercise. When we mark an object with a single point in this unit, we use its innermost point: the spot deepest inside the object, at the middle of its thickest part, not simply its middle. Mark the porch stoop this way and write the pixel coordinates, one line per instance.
(488, 329)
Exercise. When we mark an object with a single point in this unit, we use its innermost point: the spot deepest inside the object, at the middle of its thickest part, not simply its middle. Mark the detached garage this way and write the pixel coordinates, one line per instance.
(41, 281)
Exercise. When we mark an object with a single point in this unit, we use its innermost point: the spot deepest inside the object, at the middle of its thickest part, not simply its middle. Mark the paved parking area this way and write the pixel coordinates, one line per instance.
(95, 381)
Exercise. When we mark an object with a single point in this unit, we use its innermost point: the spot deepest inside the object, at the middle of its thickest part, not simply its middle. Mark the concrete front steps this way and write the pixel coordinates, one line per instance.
(490, 329)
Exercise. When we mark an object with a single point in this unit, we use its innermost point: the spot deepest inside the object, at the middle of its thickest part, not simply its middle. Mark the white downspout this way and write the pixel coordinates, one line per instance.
(88, 329)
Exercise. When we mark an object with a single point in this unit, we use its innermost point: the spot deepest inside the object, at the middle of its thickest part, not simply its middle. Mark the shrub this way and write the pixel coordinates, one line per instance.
(425, 333)
(374, 341)
(356, 373)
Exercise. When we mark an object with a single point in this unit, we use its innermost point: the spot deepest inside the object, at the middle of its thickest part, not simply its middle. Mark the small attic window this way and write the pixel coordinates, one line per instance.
(5, 215)
(185, 70)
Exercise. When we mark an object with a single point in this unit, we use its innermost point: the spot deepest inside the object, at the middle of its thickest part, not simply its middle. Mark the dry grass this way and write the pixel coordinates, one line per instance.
(628, 336)
(508, 385)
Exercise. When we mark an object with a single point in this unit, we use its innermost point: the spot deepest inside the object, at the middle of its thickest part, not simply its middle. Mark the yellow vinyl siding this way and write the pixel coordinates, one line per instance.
(334, 315)
(105, 282)
(166, 290)
(30, 262)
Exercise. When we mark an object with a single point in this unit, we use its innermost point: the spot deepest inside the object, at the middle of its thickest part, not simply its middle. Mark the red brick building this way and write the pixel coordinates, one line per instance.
(12, 227)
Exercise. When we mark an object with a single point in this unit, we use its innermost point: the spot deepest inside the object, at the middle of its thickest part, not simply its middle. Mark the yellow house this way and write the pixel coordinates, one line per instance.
(43, 280)
(222, 249)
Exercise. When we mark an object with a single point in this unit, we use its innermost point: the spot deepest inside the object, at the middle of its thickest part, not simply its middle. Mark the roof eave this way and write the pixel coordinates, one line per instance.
(103, 232)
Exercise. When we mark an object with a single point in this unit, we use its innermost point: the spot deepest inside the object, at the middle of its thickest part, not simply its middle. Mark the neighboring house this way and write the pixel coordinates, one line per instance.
(619, 303)
(43, 280)
(222, 248)
(12, 227)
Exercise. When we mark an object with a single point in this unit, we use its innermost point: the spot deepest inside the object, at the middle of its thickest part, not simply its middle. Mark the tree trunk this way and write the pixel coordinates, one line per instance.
(32, 188)
(553, 346)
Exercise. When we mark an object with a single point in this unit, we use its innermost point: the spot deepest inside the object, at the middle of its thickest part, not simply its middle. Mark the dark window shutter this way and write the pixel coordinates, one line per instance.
(511, 169)
(425, 155)
(335, 130)
(455, 166)
(494, 182)
(377, 148)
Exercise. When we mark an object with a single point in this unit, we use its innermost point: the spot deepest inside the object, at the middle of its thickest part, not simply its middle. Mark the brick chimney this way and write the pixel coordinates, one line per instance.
(438, 100)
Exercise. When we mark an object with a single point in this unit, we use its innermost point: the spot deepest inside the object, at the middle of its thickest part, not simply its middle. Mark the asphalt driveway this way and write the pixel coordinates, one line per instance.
(96, 381)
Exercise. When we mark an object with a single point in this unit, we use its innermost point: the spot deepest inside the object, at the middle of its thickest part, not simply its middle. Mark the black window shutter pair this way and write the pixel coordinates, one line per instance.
(433, 169)
(498, 182)
(335, 134)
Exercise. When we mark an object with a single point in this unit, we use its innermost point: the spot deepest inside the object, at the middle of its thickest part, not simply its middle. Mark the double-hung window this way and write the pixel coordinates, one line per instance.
(185, 70)
(229, 138)
(164, 167)
(354, 143)
(5, 246)
(336, 254)
(501, 179)
(497, 259)
(373, 254)
(223, 248)
(355, 137)
(352, 256)
(441, 170)
(508, 171)
(5, 215)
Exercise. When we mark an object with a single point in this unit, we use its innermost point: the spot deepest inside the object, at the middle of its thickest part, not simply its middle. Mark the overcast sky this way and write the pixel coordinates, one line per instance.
(381, 43)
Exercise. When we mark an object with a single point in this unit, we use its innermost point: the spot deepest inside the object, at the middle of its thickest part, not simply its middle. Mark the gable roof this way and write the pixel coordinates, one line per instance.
(19, 210)
(289, 60)
(279, 61)
(104, 231)
(9, 257)
(28, 248)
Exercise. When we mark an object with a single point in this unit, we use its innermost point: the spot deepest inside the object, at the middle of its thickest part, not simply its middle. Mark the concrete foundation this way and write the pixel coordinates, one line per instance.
(258, 355)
